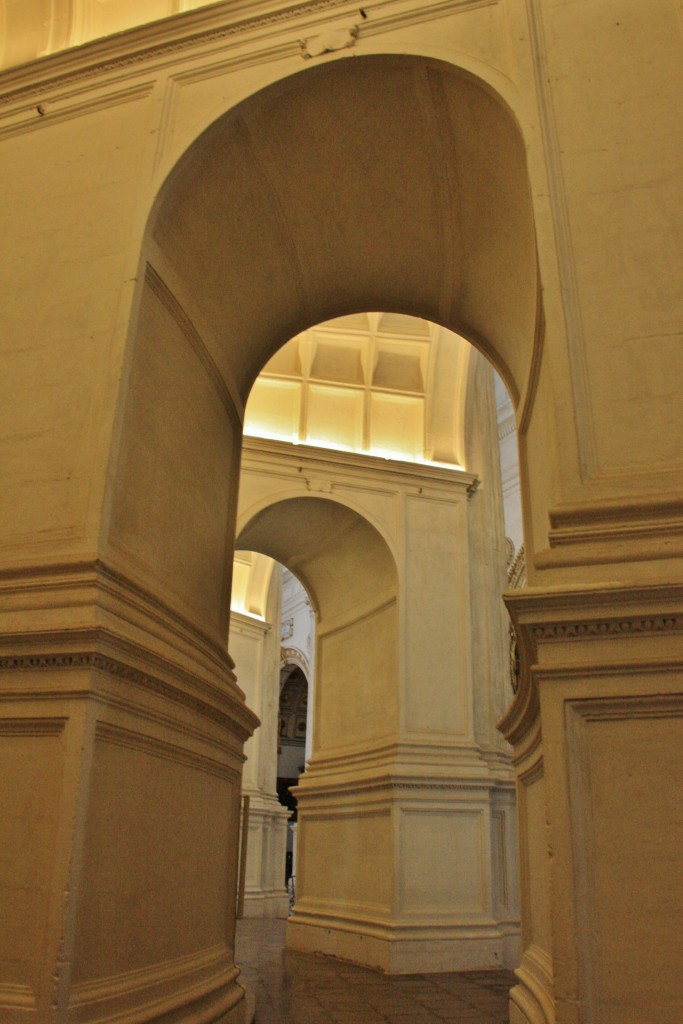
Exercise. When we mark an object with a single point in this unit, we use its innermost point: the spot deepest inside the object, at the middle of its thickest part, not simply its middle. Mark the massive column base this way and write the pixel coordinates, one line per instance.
(407, 866)
(403, 950)
(120, 762)
(243, 1013)
(532, 1001)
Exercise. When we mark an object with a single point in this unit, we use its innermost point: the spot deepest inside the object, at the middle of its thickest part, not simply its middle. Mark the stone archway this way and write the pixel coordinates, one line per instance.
(287, 211)
(123, 728)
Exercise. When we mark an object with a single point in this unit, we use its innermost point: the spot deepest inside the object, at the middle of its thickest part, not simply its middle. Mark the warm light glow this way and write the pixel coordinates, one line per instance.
(317, 442)
(260, 430)
(251, 574)
(361, 385)
(36, 28)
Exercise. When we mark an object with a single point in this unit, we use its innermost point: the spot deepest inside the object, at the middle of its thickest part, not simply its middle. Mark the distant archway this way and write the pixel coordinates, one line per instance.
(351, 579)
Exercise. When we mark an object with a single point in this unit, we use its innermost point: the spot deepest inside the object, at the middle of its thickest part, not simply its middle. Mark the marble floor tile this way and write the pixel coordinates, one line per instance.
(295, 988)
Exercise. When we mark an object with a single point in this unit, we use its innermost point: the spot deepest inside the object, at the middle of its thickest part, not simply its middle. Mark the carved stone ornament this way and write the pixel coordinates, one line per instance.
(329, 41)
(319, 485)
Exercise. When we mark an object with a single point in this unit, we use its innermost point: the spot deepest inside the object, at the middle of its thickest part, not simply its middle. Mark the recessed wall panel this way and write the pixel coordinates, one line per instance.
(273, 409)
(397, 425)
(159, 858)
(335, 417)
(356, 692)
(444, 863)
(31, 767)
(628, 833)
(333, 878)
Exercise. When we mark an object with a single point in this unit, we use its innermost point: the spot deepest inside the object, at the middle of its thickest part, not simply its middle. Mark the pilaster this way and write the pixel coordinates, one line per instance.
(596, 731)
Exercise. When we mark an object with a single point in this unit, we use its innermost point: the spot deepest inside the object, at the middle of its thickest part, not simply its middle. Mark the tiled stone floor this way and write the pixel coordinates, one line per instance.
(295, 988)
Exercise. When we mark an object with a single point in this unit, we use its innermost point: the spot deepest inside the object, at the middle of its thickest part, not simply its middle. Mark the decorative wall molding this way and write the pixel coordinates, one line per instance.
(449, 753)
(499, 850)
(31, 727)
(55, 112)
(591, 615)
(625, 707)
(329, 41)
(287, 629)
(607, 627)
(421, 12)
(132, 740)
(597, 609)
(293, 656)
(507, 427)
(374, 917)
(313, 462)
(171, 40)
(319, 485)
(168, 970)
(603, 531)
(232, 716)
(617, 514)
(516, 568)
(248, 625)
(94, 581)
(533, 999)
(43, 662)
(516, 574)
(204, 976)
(364, 795)
(138, 45)
(17, 999)
(624, 522)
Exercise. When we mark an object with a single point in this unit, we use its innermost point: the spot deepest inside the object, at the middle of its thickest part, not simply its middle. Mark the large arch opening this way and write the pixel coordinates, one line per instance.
(390, 183)
(356, 411)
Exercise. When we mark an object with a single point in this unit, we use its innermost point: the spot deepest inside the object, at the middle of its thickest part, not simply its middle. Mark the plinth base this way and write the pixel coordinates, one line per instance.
(406, 949)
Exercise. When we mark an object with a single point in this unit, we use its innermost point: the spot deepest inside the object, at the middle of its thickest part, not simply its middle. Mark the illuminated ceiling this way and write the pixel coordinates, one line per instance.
(379, 384)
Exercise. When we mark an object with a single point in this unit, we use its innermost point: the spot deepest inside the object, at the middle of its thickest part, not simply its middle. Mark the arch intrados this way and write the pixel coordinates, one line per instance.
(469, 316)
(496, 85)
(247, 515)
(339, 558)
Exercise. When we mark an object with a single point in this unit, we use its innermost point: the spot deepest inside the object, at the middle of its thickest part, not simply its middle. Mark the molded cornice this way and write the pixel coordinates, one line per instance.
(261, 449)
(160, 42)
(591, 619)
(87, 616)
(155, 40)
